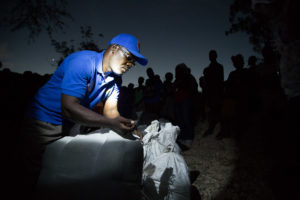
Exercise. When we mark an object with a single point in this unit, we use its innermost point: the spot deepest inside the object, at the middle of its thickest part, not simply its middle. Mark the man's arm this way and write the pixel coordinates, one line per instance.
(110, 111)
(72, 109)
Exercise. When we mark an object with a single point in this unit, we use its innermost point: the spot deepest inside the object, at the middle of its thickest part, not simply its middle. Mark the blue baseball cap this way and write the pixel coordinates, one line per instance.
(132, 44)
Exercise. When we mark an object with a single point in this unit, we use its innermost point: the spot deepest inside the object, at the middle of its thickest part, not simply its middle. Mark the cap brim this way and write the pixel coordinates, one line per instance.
(140, 58)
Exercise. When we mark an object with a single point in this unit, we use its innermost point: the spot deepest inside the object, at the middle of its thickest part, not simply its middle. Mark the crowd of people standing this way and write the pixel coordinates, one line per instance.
(177, 98)
(250, 90)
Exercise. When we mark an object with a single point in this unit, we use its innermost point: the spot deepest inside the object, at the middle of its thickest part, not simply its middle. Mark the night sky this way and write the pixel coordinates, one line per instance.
(170, 32)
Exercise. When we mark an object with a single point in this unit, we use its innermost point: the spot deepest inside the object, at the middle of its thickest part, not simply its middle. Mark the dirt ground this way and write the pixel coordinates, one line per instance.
(229, 168)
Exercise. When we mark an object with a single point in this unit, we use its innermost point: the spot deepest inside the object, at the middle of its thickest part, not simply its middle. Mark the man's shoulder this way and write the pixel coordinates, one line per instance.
(85, 60)
(82, 55)
(85, 52)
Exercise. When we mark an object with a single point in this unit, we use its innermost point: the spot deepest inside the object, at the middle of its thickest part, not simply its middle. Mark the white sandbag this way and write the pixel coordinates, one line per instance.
(167, 177)
(160, 138)
(168, 135)
(92, 166)
(165, 172)
(151, 131)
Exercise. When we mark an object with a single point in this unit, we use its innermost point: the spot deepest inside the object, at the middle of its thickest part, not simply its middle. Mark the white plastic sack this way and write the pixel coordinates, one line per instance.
(165, 172)
(160, 138)
(167, 177)
(92, 166)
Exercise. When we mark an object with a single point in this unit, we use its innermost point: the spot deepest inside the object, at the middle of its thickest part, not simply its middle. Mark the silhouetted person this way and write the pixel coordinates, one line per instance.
(193, 87)
(139, 97)
(237, 88)
(193, 83)
(168, 109)
(252, 62)
(125, 103)
(271, 93)
(168, 88)
(202, 97)
(131, 100)
(214, 79)
(153, 90)
(254, 98)
(183, 104)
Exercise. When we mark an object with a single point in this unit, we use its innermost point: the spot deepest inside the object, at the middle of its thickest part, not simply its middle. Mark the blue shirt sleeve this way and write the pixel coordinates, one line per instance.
(115, 92)
(77, 74)
(116, 88)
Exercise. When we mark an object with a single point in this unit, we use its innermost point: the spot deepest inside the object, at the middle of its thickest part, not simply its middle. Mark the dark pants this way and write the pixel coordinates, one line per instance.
(35, 136)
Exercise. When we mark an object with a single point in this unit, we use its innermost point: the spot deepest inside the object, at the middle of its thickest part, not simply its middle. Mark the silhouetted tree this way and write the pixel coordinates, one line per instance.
(50, 16)
(87, 43)
(243, 19)
(37, 16)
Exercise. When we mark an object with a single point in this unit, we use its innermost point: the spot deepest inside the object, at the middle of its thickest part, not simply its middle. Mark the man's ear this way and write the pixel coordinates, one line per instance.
(114, 47)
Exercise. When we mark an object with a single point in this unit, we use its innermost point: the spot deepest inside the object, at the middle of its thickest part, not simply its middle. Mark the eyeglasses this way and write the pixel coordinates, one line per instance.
(130, 58)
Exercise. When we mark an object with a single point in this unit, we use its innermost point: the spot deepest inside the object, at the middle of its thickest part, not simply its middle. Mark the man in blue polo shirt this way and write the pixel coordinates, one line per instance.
(83, 80)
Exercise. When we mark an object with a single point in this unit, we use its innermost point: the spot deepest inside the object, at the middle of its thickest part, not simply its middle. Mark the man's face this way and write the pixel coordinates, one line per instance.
(122, 61)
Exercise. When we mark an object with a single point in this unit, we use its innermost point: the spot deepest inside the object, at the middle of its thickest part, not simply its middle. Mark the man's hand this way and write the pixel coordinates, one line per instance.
(122, 125)
(138, 133)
